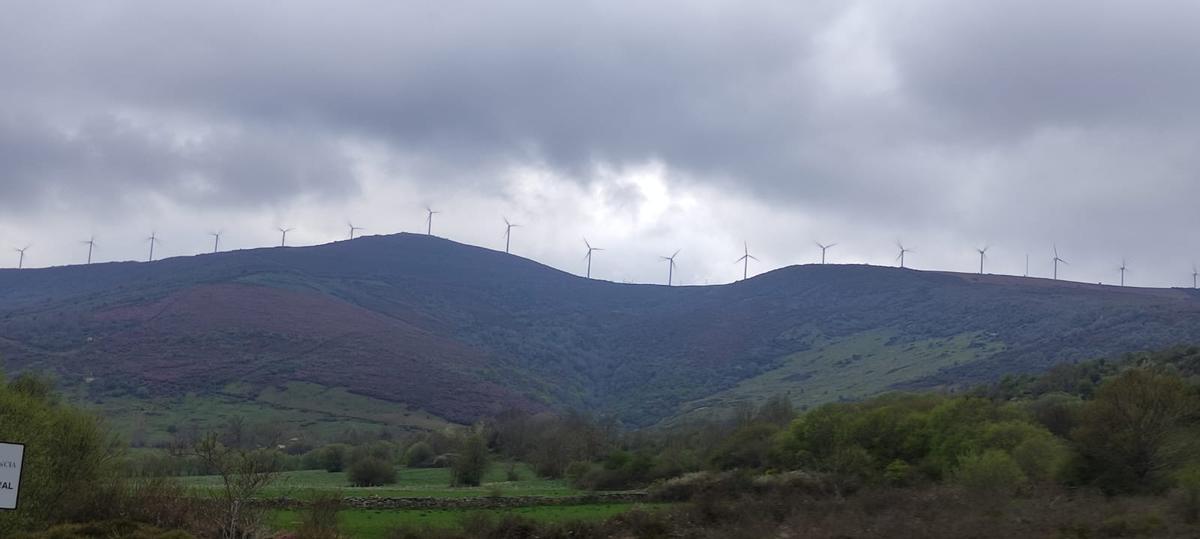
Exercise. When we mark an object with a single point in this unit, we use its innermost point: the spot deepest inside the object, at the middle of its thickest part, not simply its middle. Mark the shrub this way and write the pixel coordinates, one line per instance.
(70, 467)
(419, 455)
(898, 473)
(990, 471)
(371, 472)
(321, 517)
(1042, 458)
(1187, 496)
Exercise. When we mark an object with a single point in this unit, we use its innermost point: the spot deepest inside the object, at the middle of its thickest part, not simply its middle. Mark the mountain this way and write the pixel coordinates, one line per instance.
(416, 331)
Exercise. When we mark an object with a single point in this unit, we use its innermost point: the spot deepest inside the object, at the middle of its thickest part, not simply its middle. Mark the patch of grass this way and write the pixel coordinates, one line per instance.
(410, 483)
(850, 367)
(372, 524)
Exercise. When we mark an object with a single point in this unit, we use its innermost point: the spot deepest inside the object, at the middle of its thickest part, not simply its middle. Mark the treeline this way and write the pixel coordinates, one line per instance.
(1123, 426)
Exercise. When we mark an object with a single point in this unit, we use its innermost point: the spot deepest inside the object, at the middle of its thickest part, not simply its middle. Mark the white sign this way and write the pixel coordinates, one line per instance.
(10, 473)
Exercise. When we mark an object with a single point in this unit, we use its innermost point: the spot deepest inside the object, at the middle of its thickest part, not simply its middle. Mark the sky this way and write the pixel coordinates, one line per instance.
(646, 127)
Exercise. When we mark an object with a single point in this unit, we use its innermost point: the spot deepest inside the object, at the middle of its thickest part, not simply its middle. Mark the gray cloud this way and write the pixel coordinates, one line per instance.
(1015, 123)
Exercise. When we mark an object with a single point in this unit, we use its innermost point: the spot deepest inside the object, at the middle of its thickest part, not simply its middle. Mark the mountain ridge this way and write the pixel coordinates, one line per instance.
(461, 332)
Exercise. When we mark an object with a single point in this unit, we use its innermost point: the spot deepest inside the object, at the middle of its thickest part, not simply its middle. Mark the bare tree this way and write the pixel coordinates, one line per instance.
(244, 474)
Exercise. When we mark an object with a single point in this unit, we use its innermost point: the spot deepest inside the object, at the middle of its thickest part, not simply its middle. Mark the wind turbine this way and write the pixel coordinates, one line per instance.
(1122, 268)
(216, 240)
(283, 240)
(902, 251)
(823, 249)
(21, 258)
(982, 256)
(745, 260)
(91, 243)
(1027, 264)
(153, 239)
(508, 233)
(1056, 261)
(589, 256)
(671, 266)
(1194, 274)
(429, 220)
(353, 229)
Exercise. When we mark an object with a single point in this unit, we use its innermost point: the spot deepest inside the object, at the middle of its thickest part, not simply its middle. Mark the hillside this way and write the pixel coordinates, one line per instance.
(412, 330)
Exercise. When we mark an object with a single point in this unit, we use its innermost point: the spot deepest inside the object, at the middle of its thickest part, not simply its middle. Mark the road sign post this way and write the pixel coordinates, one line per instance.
(11, 456)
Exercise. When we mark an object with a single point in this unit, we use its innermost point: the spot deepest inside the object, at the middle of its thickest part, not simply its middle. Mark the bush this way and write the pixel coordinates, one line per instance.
(371, 472)
(1187, 495)
(419, 455)
(321, 517)
(990, 471)
(70, 467)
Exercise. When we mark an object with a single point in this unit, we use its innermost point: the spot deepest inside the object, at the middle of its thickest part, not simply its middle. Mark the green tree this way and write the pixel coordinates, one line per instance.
(1133, 434)
(70, 463)
(471, 463)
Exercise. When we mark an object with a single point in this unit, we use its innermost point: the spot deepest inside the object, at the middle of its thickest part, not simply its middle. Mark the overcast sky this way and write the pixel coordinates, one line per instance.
(646, 127)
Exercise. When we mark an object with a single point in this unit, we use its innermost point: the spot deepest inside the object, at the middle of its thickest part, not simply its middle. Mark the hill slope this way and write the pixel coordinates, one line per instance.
(428, 329)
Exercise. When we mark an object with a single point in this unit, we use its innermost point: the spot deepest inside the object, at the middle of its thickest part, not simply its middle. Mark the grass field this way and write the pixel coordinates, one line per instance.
(851, 367)
(411, 483)
(373, 524)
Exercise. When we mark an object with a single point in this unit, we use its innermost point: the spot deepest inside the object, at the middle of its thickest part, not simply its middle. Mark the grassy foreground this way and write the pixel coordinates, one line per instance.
(410, 483)
(373, 524)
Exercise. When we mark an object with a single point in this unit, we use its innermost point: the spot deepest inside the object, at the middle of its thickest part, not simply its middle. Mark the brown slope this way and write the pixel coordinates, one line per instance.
(212, 335)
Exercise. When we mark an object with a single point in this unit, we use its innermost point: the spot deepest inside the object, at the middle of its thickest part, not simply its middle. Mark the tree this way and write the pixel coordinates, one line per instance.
(244, 474)
(1133, 433)
(471, 463)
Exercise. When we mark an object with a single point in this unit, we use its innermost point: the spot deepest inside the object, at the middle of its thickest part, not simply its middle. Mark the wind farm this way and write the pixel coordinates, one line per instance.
(901, 258)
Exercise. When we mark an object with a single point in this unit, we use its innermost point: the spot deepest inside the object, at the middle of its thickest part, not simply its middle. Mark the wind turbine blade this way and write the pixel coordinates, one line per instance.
(831, 246)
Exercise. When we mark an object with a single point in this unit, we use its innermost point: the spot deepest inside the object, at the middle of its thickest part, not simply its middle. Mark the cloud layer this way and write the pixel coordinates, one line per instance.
(648, 127)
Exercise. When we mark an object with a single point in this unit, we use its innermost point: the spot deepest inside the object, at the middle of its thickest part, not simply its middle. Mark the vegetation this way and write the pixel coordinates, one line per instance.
(1107, 448)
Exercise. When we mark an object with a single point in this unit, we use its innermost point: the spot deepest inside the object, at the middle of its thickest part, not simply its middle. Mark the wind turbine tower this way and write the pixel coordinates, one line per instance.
(823, 249)
(153, 239)
(1057, 259)
(429, 220)
(1195, 273)
(670, 267)
(353, 229)
(216, 240)
(745, 260)
(982, 256)
(283, 230)
(590, 249)
(91, 243)
(508, 233)
(902, 252)
(21, 257)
